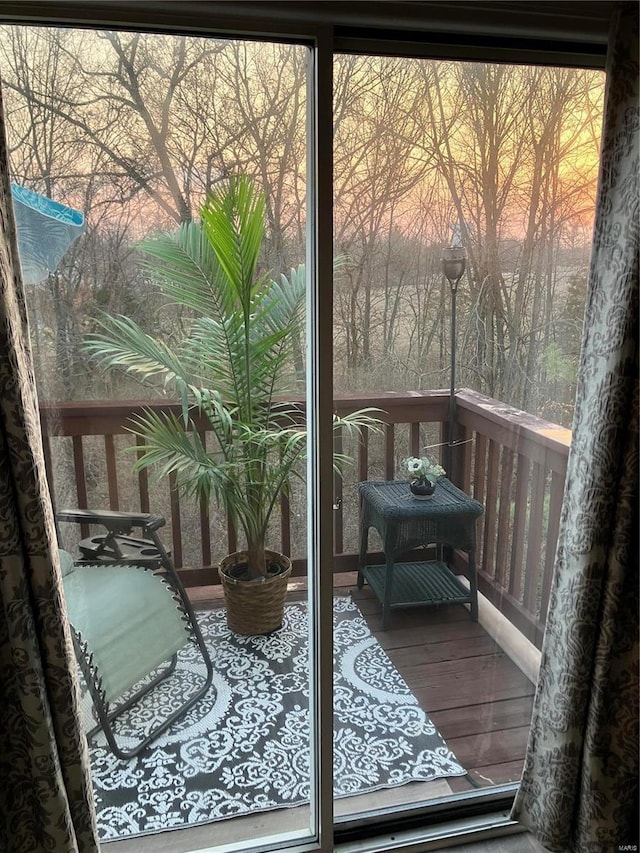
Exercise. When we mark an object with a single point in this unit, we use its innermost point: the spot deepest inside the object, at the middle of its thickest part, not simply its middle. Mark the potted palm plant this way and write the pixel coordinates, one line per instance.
(234, 368)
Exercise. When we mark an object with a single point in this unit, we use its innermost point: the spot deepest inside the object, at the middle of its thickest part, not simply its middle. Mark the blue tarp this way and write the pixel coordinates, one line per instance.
(46, 229)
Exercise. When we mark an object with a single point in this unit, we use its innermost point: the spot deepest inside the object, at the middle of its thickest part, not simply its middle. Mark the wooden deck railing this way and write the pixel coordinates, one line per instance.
(515, 464)
(512, 462)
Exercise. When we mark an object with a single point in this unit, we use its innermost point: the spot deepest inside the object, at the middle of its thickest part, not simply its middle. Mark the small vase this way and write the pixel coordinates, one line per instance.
(422, 488)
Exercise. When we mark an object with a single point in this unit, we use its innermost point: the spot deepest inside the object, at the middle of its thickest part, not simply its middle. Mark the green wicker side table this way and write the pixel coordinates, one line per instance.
(403, 522)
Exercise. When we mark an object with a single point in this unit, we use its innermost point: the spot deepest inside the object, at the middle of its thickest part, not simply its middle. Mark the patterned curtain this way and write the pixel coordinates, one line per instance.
(46, 802)
(579, 788)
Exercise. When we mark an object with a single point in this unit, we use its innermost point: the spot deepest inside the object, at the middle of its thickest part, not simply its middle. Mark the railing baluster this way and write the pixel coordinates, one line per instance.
(504, 516)
(414, 439)
(232, 537)
(555, 509)
(81, 482)
(205, 519)
(176, 527)
(480, 468)
(338, 521)
(389, 452)
(112, 472)
(479, 487)
(205, 532)
(534, 538)
(363, 457)
(462, 456)
(519, 525)
(491, 514)
(443, 439)
(143, 481)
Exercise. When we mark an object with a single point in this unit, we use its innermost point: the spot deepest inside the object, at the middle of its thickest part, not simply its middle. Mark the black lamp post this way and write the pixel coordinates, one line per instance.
(454, 262)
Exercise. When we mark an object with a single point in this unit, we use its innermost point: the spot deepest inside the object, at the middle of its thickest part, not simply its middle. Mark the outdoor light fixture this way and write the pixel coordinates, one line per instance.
(454, 262)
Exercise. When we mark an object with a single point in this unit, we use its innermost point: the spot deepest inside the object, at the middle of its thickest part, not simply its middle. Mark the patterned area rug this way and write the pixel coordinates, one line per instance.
(245, 747)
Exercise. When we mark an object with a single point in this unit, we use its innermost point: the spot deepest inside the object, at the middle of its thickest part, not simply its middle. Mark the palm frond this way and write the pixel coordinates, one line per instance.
(283, 301)
(234, 225)
(173, 448)
(123, 344)
(356, 423)
(187, 269)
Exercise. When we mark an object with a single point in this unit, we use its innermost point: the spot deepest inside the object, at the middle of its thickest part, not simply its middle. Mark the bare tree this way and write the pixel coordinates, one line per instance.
(135, 128)
(504, 138)
(265, 132)
(377, 120)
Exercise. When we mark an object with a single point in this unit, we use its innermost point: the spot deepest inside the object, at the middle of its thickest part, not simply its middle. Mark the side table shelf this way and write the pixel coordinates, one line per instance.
(403, 524)
(424, 583)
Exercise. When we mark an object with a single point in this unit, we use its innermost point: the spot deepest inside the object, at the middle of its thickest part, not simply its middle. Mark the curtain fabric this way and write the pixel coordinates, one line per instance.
(46, 802)
(579, 789)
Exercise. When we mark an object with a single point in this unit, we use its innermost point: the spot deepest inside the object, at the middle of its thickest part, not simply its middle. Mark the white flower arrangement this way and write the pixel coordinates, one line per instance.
(424, 467)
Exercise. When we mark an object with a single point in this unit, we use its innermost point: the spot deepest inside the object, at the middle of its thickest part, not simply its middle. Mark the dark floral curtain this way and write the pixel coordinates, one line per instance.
(579, 789)
(46, 802)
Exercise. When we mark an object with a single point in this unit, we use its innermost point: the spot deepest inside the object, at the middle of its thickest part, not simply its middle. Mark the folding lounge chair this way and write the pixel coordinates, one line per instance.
(130, 617)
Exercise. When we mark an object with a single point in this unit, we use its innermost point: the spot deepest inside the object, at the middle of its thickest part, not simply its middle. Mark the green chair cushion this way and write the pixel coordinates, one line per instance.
(129, 620)
(67, 563)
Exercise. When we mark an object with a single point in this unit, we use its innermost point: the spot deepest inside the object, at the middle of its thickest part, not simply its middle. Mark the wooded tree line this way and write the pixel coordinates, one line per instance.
(133, 129)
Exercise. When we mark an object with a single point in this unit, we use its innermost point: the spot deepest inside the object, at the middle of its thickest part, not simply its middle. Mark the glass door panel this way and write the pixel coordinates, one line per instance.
(450, 595)
(169, 333)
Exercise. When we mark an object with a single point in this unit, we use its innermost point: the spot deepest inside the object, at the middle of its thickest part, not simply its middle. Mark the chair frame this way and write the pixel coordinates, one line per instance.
(119, 526)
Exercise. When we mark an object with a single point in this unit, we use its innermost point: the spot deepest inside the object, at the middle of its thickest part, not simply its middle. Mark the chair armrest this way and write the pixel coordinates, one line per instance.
(116, 522)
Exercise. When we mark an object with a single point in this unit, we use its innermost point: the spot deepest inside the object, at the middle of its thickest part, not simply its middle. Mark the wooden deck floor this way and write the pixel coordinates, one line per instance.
(477, 697)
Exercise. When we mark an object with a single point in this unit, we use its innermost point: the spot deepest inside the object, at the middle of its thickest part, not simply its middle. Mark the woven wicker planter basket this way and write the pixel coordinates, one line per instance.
(254, 607)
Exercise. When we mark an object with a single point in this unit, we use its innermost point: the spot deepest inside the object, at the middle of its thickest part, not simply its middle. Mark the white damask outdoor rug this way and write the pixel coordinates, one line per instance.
(244, 748)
